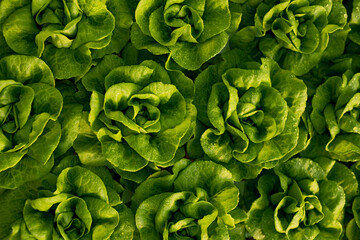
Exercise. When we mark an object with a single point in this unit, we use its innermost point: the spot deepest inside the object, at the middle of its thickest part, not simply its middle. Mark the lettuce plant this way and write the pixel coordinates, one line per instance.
(353, 226)
(335, 113)
(12, 201)
(297, 34)
(82, 207)
(190, 32)
(353, 211)
(345, 175)
(179, 119)
(297, 201)
(62, 32)
(354, 22)
(198, 201)
(30, 105)
(139, 113)
(251, 114)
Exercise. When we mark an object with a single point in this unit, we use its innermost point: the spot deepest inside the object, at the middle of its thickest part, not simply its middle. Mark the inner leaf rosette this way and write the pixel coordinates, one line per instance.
(141, 114)
(295, 33)
(191, 32)
(29, 107)
(297, 200)
(297, 25)
(63, 32)
(197, 201)
(336, 114)
(251, 117)
(81, 207)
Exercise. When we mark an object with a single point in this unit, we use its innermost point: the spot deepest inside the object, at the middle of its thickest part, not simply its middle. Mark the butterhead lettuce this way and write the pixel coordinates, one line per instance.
(64, 32)
(29, 108)
(81, 207)
(295, 33)
(140, 113)
(179, 119)
(297, 202)
(197, 202)
(335, 108)
(251, 114)
(189, 32)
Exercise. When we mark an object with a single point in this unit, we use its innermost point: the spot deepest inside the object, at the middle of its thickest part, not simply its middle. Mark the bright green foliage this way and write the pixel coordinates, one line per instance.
(81, 207)
(12, 201)
(295, 33)
(354, 22)
(139, 113)
(29, 107)
(353, 227)
(179, 119)
(63, 32)
(251, 113)
(69, 118)
(336, 113)
(197, 202)
(190, 32)
(297, 201)
(353, 224)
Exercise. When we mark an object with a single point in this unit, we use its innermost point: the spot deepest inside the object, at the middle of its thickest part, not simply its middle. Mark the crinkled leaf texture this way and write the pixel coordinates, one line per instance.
(353, 221)
(64, 32)
(81, 207)
(29, 106)
(139, 113)
(198, 201)
(297, 202)
(352, 228)
(12, 201)
(251, 114)
(296, 34)
(190, 32)
(336, 109)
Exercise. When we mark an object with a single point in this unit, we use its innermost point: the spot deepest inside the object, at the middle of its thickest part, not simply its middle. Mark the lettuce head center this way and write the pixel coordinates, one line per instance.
(185, 17)
(76, 229)
(142, 116)
(7, 115)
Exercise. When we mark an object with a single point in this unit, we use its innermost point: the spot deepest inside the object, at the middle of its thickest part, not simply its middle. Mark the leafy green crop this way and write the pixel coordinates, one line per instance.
(30, 106)
(251, 113)
(62, 32)
(81, 207)
(336, 107)
(353, 226)
(179, 119)
(140, 113)
(191, 32)
(196, 202)
(297, 201)
(297, 34)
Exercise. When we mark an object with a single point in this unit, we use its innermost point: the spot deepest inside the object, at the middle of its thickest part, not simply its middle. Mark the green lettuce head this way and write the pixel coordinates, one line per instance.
(295, 33)
(250, 115)
(29, 108)
(83, 206)
(353, 226)
(63, 32)
(191, 32)
(353, 211)
(197, 201)
(354, 21)
(335, 115)
(139, 113)
(297, 201)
